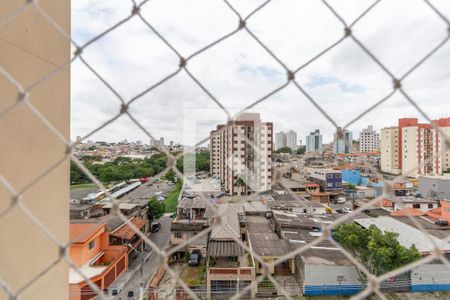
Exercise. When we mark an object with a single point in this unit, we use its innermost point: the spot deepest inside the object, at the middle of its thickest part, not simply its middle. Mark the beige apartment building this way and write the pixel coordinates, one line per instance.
(241, 154)
(414, 148)
(389, 150)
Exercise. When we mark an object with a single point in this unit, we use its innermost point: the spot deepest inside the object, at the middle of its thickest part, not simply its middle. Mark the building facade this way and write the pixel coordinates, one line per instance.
(291, 139)
(280, 140)
(369, 140)
(314, 141)
(241, 154)
(343, 143)
(389, 141)
(414, 148)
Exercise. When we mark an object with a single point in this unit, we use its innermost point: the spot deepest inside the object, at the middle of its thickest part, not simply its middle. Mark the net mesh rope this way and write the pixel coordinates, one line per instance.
(372, 286)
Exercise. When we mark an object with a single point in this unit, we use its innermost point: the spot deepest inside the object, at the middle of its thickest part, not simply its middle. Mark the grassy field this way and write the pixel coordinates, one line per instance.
(171, 201)
(83, 186)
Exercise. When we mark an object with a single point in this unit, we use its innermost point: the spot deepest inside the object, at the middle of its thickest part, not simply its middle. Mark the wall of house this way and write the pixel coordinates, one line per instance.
(351, 176)
(430, 278)
(30, 48)
(80, 253)
(320, 279)
(440, 187)
(422, 206)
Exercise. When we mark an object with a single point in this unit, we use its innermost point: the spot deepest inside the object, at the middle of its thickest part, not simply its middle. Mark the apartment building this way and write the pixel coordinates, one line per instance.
(241, 154)
(414, 148)
(369, 140)
(389, 141)
(314, 141)
(343, 140)
(280, 140)
(291, 139)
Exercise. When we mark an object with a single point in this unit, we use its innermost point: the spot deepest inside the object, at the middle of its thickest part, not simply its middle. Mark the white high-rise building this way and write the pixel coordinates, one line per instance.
(280, 140)
(369, 140)
(291, 139)
(314, 141)
(241, 155)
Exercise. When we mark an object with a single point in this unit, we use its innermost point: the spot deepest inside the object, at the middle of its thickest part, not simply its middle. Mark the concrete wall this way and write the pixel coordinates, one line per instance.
(440, 187)
(30, 48)
(320, 279)
(430, 278)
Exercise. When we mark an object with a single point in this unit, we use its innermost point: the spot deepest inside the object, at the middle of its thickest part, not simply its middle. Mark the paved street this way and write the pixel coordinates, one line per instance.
(161, 239)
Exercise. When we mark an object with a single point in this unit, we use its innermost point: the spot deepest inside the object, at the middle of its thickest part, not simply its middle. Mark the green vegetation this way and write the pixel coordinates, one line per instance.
(121, 168)
(284, 150)
(201, 161)
(381, 252)
(193, 276)
(301, 150)
(155, 209)
(171, 200)
(83, 186)
(170, 176)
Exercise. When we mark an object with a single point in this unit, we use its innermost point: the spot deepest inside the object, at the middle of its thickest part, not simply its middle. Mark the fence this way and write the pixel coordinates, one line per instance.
(292, 73)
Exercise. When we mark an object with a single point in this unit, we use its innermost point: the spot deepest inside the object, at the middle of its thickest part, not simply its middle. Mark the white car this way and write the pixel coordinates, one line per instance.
(340, 200)
(346, 210)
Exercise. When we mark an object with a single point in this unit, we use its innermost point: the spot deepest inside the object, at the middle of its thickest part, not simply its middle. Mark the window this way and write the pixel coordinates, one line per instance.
(430, 205)
(91, 245)
(177, 234)
(416, 205)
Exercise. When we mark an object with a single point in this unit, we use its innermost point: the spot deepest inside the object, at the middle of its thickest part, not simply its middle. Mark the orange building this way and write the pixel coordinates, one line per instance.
(95, 259)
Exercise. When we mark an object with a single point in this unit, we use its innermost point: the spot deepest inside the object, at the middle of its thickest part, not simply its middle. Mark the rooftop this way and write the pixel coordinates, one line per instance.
(255, 207)
(122, 206)
(126, 232)
(82, 232)
(224, 249)
(407, 235)
(230, 228)
(293, 220)
(412, 200)
(187, 203)
(322, 253)
(265, 242)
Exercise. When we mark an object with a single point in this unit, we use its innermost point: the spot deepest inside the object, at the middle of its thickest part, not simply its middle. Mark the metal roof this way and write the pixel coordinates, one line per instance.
(224, 249)
(269, 244)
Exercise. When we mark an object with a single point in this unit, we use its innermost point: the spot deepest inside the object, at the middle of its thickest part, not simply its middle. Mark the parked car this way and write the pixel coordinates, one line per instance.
(346, 210)
(194, 259)
(155, 226)
(441, 222)
(340, 200)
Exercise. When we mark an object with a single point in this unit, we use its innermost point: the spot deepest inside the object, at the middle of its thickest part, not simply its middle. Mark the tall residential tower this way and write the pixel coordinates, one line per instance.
(241, 155)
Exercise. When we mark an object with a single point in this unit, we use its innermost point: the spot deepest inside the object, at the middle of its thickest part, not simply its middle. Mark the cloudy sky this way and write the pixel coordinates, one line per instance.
(238, 71)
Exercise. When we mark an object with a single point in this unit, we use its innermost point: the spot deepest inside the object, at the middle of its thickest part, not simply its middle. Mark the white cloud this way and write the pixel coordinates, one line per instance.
(238, 71)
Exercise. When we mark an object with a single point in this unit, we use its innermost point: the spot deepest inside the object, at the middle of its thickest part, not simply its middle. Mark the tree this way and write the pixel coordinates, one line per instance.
(121, 168)
(284, 150)
(155, 209)
(201, 159)
(170, 175)
(301, 150)
(240, 182)
(380, 251)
